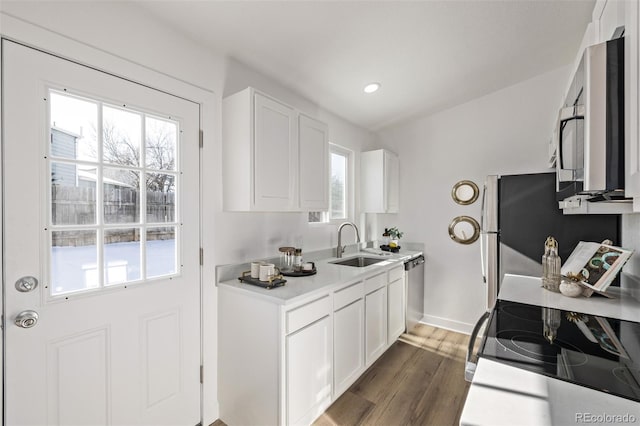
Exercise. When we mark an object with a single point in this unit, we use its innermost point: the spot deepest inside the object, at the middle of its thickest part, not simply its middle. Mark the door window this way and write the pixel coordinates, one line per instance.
(114, 179)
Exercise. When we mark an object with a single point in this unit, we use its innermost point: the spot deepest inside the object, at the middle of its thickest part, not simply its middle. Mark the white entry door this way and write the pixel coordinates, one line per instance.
(101, 190)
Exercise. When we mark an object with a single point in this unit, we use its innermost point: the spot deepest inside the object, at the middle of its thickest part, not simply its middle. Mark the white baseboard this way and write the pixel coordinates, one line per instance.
(211, 413)
(447, 324)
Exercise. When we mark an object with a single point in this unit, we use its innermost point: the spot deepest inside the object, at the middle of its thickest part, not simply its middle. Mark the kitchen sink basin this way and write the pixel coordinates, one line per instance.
(358, 262)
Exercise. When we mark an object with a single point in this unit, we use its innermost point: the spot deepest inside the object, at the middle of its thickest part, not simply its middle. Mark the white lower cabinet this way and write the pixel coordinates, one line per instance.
(375, 324)
(395, 306)
(284, 364)
(348, 344)
(308, 372)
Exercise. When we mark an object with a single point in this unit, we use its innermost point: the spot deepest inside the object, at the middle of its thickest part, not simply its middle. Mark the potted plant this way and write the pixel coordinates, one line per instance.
(395, 235)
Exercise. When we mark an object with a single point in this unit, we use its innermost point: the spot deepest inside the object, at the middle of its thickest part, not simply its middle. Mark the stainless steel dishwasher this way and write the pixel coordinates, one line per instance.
(414, 282)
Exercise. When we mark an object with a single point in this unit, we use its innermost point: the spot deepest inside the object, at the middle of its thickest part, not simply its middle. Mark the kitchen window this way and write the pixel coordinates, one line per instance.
(340, 181)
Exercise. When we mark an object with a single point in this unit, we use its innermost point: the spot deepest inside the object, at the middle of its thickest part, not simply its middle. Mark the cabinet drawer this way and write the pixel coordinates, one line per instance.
(348, 295)
(374, 283)
(396, 273)
(306, 314)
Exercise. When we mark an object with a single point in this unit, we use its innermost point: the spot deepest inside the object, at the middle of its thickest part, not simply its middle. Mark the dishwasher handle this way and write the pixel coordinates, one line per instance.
(413, 263)
(472, 360)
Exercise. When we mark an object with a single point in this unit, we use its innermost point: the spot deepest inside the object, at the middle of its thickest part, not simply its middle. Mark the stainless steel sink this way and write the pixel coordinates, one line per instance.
(358, 262)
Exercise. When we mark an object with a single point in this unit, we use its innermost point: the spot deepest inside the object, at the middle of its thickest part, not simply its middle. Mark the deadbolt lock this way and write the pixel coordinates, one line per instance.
(26, 284)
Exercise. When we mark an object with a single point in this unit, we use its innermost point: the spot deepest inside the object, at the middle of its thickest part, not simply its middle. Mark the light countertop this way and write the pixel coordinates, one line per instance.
(504, 395)
(328, 276)
(501, 394)
(518, 288)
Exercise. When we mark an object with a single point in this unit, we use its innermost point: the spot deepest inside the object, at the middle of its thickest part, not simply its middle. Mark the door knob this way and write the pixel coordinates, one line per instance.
(27, 319)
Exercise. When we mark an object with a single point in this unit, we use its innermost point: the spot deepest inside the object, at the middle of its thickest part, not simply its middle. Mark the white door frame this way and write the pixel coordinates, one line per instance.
(76, 51)
(2, 280)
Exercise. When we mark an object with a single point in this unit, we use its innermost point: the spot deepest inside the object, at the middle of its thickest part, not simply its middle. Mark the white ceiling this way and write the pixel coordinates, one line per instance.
(428, 55)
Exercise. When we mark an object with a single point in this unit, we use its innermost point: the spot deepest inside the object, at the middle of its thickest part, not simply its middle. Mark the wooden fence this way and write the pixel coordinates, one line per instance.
(77, 206)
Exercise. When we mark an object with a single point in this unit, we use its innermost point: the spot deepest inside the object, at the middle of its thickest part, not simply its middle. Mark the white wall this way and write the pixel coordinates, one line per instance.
(121, 38)
(506, 132)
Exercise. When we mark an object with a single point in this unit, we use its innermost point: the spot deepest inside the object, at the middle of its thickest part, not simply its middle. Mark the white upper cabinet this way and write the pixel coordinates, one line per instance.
(267, 149)
(380, 181)
(274, 159)
(632, 100)
(608, 15)
(392, 181)
(313, 137)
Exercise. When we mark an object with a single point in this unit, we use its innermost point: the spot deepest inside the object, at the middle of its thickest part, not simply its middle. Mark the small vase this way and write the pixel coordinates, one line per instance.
(570, 288)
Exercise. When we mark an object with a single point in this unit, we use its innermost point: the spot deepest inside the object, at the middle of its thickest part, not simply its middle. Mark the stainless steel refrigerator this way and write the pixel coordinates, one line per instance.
(518, 213)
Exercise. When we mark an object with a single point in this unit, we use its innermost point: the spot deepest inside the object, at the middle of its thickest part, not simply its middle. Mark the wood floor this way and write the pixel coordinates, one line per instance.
(418, 381)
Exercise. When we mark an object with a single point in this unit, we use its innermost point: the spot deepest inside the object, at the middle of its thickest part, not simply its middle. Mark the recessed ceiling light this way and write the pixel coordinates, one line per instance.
(371, 87)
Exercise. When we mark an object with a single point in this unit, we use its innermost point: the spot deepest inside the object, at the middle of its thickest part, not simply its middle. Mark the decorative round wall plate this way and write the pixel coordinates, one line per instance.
(465, 192)
(464, 230)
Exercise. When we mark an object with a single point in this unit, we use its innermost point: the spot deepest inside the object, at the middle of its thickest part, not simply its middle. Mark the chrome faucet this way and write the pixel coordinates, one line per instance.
(340, 248)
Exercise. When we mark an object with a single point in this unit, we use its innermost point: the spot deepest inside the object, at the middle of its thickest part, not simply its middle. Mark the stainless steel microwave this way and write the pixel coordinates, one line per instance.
(590, 145)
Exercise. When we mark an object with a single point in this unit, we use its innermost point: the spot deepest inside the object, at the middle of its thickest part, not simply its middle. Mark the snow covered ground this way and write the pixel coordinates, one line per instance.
(75, 268)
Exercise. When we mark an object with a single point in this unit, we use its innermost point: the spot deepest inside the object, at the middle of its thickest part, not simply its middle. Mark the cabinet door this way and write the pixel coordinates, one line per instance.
(611, 18)
(348, 344)
(395, 306)
(380, 181)
(375, 324)
(392, 182)
(275, 155)
(313, 138)
(308, 372)
(632, 102)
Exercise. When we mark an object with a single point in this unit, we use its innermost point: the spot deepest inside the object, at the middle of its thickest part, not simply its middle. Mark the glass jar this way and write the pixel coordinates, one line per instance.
(286, 259)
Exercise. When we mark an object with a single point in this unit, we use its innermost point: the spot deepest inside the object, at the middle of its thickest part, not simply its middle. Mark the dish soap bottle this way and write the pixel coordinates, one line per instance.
(386, 238)
(551, 265)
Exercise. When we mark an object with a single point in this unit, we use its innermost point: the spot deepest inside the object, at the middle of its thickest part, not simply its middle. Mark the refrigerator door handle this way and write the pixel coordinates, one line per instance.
(489, 207)
(483, 236)
(472, 359)
(492, 269)
(483, 239)
(484, 195)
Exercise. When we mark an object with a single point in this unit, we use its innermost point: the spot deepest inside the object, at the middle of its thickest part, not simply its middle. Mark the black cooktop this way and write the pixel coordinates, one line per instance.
(597, 352)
